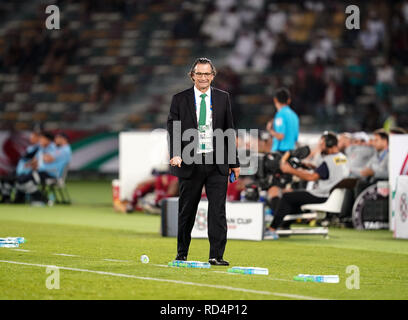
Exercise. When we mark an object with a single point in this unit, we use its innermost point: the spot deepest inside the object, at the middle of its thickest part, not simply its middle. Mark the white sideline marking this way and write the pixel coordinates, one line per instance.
(296, 296)
(65, 255)
(276, 279)
(115, 260)
(168, 280)
(234, 274)
(22, 250)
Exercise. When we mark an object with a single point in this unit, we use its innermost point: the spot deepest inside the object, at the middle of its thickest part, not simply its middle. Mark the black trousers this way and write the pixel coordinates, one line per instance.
(30, 183)
(291, 203)
(190, 188)
(7, 184)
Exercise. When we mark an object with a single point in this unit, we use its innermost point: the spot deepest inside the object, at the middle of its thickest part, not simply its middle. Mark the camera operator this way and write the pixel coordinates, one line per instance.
(284, 130)
(332, 170)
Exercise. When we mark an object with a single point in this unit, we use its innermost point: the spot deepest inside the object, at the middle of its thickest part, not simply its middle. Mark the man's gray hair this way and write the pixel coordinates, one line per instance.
(202, 61)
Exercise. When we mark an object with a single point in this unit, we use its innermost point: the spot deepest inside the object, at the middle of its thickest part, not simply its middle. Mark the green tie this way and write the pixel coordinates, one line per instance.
(203, 111)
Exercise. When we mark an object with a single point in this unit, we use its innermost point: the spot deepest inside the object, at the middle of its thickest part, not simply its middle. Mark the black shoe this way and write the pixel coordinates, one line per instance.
(218, 262)
(181, 258)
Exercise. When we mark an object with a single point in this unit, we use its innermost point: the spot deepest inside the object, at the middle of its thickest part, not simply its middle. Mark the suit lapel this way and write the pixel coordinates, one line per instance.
(191, 106)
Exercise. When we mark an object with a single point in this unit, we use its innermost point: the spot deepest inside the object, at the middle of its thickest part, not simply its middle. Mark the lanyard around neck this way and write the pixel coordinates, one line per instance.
(381, 157)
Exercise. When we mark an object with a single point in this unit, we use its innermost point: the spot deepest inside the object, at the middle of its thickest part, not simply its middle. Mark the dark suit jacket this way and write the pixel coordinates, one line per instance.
(183, 109)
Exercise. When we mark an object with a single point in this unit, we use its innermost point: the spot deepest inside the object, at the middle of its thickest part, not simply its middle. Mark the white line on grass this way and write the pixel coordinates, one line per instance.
(115, 260)
(65, 255)
(276, 279)
(160, 265)
(169, 280)
(22, 250)
(234, 274)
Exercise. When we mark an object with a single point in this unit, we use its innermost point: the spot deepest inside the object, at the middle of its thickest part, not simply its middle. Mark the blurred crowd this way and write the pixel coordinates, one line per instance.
(304, 46)
(325, 70)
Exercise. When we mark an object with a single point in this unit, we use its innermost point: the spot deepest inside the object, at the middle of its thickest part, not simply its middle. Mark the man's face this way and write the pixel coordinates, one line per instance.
(34, 137)
(379, 144)
(344, 142)
(58, 140)
(202, 76)
(357, 142)
(44, 141)
(322, 144)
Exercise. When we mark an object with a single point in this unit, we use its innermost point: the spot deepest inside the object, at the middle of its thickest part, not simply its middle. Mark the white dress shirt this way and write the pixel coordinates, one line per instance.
(208, 120)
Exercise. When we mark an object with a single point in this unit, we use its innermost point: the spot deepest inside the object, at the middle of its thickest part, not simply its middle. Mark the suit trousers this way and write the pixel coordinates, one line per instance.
(190, 188)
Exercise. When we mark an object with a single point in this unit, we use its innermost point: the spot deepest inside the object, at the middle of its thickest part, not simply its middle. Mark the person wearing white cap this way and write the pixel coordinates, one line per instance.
(359, 153)
(360, 138)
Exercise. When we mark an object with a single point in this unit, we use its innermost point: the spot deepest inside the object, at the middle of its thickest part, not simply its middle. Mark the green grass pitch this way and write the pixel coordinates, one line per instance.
(98, 254)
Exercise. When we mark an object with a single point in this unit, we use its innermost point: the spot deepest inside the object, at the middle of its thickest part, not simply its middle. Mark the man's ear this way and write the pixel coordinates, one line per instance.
(289, 101)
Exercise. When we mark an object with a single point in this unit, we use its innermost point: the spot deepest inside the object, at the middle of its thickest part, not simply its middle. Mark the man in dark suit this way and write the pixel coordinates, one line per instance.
(202, 153)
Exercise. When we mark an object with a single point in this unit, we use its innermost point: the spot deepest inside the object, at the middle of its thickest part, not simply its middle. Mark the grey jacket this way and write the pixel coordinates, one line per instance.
(379, 164)
(358, 157)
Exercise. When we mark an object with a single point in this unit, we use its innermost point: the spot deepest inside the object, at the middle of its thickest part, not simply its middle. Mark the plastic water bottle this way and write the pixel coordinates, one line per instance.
(268, 211)
(9, 245)
(317, 278)
(189, 264)
(249, 270)
(262, 196)
(199, 264)
(268, 216)
(18, 239)
(13, 240)
(21, 240)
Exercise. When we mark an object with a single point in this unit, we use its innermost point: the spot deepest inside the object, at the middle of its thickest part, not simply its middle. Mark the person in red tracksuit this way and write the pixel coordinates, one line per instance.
(163, 185)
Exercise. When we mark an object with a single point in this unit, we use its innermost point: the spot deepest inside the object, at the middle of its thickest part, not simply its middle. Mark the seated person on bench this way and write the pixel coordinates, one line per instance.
(45, 165)
(377, 167)
(332, 170)
(61, 157)
(7, 183)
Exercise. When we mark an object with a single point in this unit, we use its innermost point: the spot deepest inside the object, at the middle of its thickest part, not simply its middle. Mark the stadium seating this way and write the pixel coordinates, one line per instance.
(148, 53)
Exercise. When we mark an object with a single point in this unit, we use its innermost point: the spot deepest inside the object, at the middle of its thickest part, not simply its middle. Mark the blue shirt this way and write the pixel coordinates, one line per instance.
(21, 168)
(286, 122)
(62, 156)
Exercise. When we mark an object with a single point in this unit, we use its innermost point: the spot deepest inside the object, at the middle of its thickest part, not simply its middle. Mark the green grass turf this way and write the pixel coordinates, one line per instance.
(92, 231)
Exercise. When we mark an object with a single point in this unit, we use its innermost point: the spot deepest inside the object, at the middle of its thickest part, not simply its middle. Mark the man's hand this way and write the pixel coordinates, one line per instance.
(48, 158)
(269, 125)
(176, 161)
(237, 172)
(34, 164)
(367, 172)
(272, 132)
